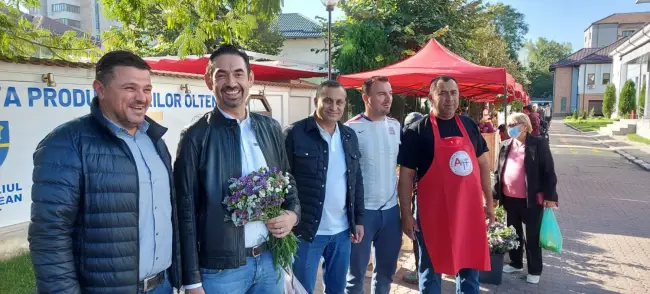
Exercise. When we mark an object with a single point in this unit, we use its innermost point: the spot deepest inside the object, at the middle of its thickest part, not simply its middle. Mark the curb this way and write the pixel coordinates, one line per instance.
(639, 162)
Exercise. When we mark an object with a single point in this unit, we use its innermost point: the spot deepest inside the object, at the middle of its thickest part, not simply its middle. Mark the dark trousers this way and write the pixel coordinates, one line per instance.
(416, 254)
(416, 247)
(383, 233)
(518, 214)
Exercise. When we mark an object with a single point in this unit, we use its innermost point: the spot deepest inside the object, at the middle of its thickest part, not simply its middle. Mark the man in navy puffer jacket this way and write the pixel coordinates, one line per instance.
(103, 216)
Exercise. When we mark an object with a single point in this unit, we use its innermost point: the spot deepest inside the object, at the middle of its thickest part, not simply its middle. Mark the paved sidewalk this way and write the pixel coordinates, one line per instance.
(635, 152)
(603, 214)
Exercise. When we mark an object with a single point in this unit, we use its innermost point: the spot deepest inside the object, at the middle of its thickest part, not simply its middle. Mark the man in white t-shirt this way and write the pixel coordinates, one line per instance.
(379, 139)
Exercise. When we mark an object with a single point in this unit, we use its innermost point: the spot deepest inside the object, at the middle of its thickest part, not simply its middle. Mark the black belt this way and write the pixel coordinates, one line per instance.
(151, 282)
(257, 250)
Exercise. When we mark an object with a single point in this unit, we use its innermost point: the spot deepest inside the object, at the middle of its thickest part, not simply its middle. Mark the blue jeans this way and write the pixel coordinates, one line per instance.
(431, 282)
(259, 275)
(335, 249)
(382, 230)
(164, 288)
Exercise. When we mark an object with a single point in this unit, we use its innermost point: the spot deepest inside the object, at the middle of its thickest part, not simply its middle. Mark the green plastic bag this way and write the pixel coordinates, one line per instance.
(550, 237)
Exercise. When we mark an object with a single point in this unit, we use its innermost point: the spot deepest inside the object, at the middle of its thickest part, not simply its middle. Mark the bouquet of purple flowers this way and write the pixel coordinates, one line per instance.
(258, 196)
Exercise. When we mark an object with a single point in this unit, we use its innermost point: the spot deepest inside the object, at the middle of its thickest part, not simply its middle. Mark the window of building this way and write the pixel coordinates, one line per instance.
(591, 80)
(563, 104)
(70, 22)
(65, 7)
(605, 78)
(627, 33)
(58, 7)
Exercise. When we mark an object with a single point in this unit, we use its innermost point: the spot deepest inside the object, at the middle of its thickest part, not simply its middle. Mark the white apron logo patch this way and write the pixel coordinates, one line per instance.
(461, 164)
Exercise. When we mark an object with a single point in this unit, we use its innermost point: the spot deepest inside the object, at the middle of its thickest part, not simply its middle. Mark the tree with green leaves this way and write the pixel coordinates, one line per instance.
(516, 106)
(627, 98)
(409, 24)
(642, 99)
(191, 27)
(362, 46)
(377, 33)
(609, 100)
(266, 38)
(510, 25)
(490, 49)
(541, 54)
(22, 38)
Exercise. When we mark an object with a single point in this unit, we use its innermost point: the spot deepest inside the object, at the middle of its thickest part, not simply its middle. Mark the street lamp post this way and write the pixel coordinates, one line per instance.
(329, 4)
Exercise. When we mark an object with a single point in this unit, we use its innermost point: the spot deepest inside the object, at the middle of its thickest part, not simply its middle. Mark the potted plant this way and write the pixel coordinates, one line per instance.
(501, 238)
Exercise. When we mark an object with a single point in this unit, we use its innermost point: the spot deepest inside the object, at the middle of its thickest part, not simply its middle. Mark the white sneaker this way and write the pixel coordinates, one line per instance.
(532, 279)
(508, 269)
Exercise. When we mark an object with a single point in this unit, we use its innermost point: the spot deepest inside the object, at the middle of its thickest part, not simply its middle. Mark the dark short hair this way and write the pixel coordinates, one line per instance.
(328, 84)
(434, 82)
(371, 81)
(529, 108)
(106, 64)
(412, 117)
(225, 50)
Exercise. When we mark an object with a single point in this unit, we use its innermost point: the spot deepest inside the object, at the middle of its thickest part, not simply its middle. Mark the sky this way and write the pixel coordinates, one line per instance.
(559, 20)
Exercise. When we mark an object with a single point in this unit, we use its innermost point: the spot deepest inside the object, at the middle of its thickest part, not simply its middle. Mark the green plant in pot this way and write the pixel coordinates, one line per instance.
(501, 239)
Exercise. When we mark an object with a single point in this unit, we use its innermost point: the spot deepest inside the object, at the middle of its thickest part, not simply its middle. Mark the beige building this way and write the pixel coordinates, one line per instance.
(84, 15)
(614, 27)
(304, 39)
(580, 79)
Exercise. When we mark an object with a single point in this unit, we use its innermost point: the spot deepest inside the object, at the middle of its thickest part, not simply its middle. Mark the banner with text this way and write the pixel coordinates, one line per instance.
(29, 111)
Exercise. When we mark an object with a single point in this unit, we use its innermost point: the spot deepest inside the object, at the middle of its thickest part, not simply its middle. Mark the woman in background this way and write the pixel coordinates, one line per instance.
(525, 184)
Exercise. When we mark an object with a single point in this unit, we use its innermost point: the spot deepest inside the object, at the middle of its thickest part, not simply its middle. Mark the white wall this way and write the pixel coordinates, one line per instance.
(600, 35)
(598, 70)
(29, 110)
(588, 38)
(300, 50)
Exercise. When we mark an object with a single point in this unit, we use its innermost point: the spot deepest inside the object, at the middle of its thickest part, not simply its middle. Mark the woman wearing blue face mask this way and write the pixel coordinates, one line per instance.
(525, 184)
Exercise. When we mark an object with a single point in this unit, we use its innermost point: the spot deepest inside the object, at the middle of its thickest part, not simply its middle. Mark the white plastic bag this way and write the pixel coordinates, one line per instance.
(292, 285)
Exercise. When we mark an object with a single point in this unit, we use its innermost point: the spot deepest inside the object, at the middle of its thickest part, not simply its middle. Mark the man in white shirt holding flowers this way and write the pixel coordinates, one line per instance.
(228, 142)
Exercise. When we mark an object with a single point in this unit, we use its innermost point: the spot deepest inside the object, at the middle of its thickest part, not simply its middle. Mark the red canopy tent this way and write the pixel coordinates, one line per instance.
(262, 72)
(519, 91)
(514, 93)
(413, 75)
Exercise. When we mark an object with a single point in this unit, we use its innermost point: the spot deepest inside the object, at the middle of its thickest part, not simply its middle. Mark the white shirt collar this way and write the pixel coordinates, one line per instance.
(336, 129)
(245, 120)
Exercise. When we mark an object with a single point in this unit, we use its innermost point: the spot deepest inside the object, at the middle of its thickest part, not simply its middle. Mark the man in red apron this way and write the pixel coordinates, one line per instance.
(449, 156)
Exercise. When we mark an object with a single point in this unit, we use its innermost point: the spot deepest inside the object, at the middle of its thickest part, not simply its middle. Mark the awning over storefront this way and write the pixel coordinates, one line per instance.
(413, 75)
(263, 72)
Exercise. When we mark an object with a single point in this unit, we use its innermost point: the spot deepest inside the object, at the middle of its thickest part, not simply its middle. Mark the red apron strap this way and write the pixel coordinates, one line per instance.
(463, 131)
(434, 124)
